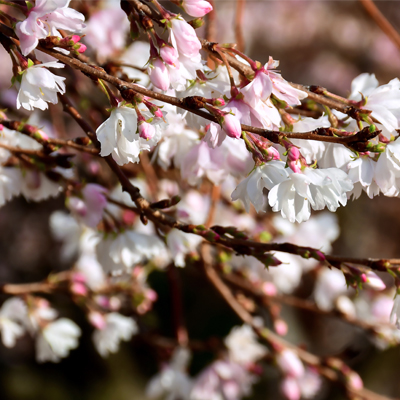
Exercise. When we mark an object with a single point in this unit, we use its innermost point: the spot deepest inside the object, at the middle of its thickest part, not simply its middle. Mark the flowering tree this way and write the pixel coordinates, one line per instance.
(185, 153)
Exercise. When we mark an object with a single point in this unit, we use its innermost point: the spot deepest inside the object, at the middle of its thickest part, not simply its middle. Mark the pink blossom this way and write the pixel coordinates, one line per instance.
(159, 75)
(183, 37)
(290, 363)
(89, 208)
(260, 88)
(372, 280)
(197, 8)
(97, 320)
(290, 388)
(44, 20)
(281, 327)
(106, 31)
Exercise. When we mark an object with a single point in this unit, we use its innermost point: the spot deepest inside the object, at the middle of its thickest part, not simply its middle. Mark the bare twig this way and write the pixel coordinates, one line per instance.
(381, 21)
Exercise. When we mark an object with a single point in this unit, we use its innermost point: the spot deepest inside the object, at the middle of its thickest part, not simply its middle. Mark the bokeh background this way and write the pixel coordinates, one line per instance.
(326, 43)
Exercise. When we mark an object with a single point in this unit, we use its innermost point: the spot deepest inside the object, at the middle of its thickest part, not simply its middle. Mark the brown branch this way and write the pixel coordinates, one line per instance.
(248, 287)
(240, 6)
(274, 341)
(381, 21)
(186, 104)
(245, 247)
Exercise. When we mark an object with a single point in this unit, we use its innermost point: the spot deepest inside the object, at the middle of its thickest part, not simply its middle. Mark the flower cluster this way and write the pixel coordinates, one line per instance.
(186, 135)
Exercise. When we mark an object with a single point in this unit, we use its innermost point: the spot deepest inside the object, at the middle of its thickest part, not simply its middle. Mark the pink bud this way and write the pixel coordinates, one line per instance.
(269, 289)
(159, 75)
(79, 277)
(82, 48)
(294, 166)
(158, 113)
(231, 125)
(281, 327)
(169, 55)
(197, 8)
(1, 127)
(79, 288)
(290, 388)
(293, 153)
(354, 380)
(272, 154)
(290, 363)
(151, 295)
(94, 167)
(128, 217)
(372, 280)
(218, 102)
(320, 255)
(97, 320)
(75, 38)
(146, 130)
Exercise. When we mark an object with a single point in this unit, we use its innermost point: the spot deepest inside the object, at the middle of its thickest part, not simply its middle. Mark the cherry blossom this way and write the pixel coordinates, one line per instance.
(44, 19)
(183, 37)
(243, 346)
(118, 136)
(116, 327)
(173, 379)
(11, 315)
(39, 86)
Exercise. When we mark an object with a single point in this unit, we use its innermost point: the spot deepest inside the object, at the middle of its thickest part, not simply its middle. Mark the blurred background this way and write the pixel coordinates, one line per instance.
(325, 43)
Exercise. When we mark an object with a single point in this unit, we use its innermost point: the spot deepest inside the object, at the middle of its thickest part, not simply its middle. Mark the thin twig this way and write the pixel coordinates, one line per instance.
(381, 21)
(240, 7)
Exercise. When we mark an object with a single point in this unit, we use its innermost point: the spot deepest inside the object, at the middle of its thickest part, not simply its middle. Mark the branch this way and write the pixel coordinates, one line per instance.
(381, 21)
(320, 134)
(333, 372)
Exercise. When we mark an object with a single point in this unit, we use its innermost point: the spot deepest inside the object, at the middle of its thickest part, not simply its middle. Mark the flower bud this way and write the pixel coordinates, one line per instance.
(97, 320)
(159, 75)
(290, 388)
(271, 153)
(354, 380)
(372, 280)
(231, 125)
(281, 327)
(146, 130)
(269, 289)
(290, 363)
(295, 167)
(293, 153)
(197, 8)
(169, 55)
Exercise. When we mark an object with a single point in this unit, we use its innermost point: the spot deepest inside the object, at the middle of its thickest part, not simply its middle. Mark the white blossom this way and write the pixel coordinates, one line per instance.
(118, 136)
(117, 328)
(243, 346)
(39, 86)
(329, 286)
(126, 250)
(12, 314)
(56, 340)
(383, 100)
(173, 380)
(315, 189)
(44, 19)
